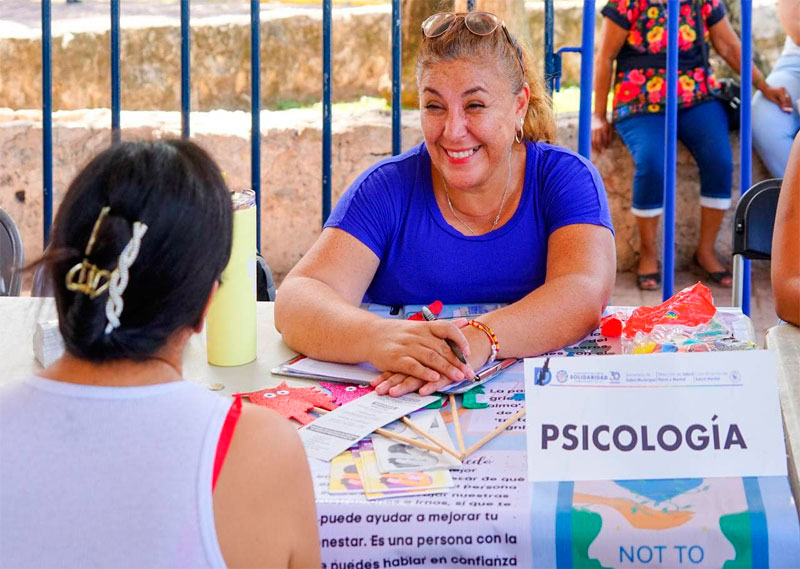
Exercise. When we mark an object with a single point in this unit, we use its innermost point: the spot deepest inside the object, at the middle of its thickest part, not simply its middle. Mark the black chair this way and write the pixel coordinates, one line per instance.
(753, 223)
(754, 220)
(265, 285)
(10, 256)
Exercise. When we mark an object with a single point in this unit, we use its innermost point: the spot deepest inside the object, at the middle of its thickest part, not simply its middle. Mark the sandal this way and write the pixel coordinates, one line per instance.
(649, 281)
(716, 277)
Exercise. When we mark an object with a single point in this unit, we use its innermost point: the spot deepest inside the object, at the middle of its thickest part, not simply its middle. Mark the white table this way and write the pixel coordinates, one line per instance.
(784, 340)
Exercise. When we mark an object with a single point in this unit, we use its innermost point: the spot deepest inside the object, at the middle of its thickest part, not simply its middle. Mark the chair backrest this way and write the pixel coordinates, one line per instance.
(265, 284)
(10, 256)
(754, 220)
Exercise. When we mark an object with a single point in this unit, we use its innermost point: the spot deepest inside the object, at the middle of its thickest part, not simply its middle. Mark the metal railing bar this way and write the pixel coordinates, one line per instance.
(47, 122)
(397, 62)
(552, 69)
(255, 110)
(185, 68)
(587, 70)
(670, 143)
(326, 109)
(115, 79)
(549, 62)
(745, 136)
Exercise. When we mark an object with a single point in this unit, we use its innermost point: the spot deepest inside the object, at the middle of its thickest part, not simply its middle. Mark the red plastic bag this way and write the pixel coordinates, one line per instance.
(690, 307)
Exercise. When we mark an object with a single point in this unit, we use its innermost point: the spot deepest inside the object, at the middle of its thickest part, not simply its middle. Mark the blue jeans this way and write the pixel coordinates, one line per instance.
(773, 129)
(703, 129)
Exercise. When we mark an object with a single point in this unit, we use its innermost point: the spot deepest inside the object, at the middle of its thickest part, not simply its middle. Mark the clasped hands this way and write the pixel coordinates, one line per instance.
(416, 357)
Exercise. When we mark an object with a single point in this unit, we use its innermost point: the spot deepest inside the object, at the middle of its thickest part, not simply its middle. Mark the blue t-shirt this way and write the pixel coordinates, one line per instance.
(392, 210)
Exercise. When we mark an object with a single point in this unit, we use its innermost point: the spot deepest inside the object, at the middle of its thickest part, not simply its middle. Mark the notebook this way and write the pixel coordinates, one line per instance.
(361, 374)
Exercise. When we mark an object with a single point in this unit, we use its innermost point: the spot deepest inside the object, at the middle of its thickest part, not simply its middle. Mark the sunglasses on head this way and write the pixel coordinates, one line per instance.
(479, 23)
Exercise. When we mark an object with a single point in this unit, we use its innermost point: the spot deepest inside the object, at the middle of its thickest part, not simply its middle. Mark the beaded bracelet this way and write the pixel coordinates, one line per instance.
(495, 345)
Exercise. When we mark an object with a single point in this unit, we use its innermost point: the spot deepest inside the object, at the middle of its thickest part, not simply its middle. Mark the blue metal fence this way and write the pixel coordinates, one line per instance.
(671, 145)
(397, 79)
(741, 291)
(186, 40)
(47, 121)
(255, 111)
(552, 66)
(327, 64)
(552, 69)
(115, 79)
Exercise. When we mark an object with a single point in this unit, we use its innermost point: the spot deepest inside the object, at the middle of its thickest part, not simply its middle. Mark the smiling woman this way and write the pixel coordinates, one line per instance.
(486, 210)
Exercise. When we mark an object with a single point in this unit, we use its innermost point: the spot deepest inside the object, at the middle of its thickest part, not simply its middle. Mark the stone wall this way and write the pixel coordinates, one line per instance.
(291, 167)
(291, 58)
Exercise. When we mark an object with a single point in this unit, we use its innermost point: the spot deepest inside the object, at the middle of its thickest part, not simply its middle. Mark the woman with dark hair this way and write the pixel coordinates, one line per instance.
(634, 37)
(107, 457)
(486, 210)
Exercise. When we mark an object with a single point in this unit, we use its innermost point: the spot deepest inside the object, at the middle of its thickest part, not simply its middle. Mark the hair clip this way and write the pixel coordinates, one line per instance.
(89, 279)
(119, 277)
(86, 277)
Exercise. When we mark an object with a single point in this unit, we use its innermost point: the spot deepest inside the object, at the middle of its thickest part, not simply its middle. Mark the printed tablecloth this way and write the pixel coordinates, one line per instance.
(494, 518)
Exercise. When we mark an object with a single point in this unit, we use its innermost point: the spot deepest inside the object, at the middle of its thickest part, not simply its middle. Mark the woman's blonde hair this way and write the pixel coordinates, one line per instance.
(460, 43)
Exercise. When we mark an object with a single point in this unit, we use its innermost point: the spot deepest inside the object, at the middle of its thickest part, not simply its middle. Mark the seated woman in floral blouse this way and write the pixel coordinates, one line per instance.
(634, 35)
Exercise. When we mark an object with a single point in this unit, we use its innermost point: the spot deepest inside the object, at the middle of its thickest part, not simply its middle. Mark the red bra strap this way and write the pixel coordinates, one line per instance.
(225, 437)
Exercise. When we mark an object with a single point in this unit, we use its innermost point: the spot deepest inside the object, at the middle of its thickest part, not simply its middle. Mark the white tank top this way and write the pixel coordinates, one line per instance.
(108, 476)
(790, 48)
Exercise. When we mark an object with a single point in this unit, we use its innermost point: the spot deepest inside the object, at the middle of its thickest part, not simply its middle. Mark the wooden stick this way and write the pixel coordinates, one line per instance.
(496, 432)
(416, 428)
(457, 423)
(391, 435)
(408, 441)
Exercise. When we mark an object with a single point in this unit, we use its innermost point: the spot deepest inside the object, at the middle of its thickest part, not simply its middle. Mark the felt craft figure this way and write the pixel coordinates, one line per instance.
(343, 393)
(292, 402)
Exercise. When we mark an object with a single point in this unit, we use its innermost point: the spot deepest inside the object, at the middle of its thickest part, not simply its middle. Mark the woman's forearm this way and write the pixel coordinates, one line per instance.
(785, 270)
(303, 303)
(602, 84)
(787, 299)
(731, 52)
(581, 269)
(560, 312)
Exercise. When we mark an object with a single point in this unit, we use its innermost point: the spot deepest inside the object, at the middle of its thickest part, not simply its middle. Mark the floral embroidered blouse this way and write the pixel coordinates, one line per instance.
(640, 84)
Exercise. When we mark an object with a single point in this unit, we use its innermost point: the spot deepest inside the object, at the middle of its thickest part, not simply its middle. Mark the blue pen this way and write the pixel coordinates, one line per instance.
(430, 316)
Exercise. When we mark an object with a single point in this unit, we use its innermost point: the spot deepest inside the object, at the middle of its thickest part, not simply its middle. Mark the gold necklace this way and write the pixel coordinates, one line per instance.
(499, 210)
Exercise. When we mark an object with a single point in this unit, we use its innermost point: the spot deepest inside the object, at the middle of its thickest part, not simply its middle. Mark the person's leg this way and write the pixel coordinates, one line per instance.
(648, 253)
(773, 129)
(644, 137)
(704, 131)
(706, 256)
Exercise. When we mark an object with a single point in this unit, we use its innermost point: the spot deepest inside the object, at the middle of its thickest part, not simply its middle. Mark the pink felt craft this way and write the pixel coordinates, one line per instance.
(292, 402)
(344, 393)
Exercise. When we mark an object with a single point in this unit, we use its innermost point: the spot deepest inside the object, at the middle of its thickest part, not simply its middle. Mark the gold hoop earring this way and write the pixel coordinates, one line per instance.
(520, 134)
